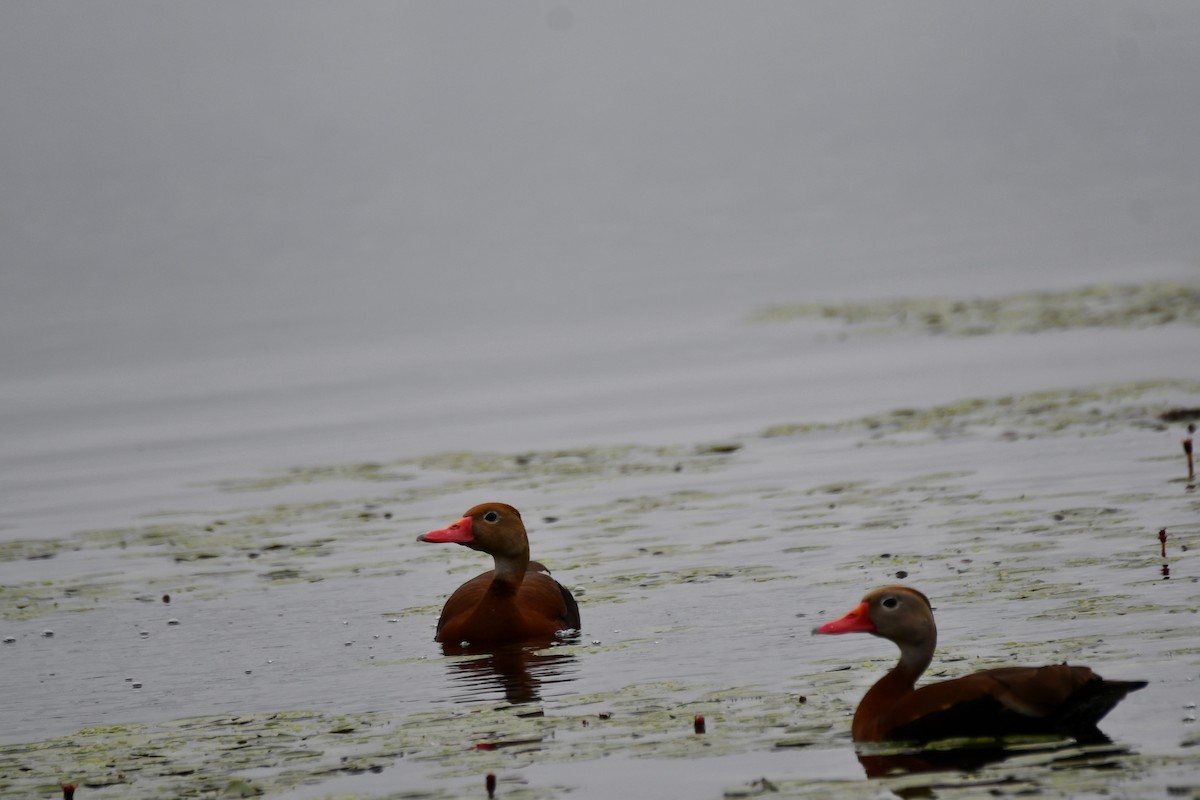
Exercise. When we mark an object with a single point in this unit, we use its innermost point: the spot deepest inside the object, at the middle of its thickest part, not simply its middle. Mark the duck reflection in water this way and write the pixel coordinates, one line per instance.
(519, 672)
(881, 761)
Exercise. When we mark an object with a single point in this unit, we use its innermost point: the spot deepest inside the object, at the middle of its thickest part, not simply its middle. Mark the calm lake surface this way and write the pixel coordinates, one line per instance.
(285, 285)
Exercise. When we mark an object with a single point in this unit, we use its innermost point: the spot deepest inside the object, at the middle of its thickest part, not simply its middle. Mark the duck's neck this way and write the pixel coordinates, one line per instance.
(915, 658)
(870, 718)
(510, 570)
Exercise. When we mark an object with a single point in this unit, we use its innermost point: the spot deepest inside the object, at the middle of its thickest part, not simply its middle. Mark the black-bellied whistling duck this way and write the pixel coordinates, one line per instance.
(995, 702)
(517, 602)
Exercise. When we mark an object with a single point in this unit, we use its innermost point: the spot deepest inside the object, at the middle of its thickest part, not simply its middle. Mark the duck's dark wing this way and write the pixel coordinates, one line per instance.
(572, 616)
(1013, 700)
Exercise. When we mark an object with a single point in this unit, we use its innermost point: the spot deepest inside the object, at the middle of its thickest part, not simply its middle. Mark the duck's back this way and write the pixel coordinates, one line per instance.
(1000, 702)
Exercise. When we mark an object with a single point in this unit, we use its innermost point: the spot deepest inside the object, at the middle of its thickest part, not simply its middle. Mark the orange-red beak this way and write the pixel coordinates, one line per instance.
(858, 620)
(459, 533)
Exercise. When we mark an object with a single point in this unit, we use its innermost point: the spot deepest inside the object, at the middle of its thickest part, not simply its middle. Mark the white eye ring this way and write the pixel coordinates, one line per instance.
(491, 516)
(890, 602)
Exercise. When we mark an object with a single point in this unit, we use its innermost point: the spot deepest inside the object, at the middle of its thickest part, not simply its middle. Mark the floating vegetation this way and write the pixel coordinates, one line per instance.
(29, 549)
(1044, 413)
(718, 448)
(34, 599)
(1180, 415)
(1127, 306)
(276, 752)
(334, 472)
(520, 470)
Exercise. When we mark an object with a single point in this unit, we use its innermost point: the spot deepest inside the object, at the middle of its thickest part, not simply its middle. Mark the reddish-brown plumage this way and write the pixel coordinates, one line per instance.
(995, 702)
(517, 601)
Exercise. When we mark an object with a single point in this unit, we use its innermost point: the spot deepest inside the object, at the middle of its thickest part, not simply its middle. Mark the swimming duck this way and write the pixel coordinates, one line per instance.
(995, 702)
(517, 601)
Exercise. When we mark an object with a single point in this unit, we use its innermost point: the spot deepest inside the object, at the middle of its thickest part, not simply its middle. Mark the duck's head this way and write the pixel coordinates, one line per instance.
(493, 528)
(897, 613)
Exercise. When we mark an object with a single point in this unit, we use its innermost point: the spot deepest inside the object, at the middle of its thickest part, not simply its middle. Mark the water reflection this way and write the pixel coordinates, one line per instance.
(879, 765)
(1062, 753)
(517, 672)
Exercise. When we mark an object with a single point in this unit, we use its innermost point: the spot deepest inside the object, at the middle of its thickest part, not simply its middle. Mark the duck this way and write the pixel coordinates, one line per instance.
(516, 602)
(1054, 699)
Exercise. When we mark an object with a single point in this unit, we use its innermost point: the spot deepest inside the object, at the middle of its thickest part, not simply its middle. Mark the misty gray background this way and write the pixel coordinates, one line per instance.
(237, 236)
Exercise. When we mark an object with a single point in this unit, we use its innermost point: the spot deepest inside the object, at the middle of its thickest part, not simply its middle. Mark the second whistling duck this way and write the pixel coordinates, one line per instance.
(995, 702)
(517, 602)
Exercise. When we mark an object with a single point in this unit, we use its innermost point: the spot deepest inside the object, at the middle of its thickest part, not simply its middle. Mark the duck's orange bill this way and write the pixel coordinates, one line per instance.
(858, 619)
(460, 533)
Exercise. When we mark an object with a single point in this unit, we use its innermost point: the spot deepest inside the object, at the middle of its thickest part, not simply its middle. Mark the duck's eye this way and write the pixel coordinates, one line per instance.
(491, 516)
(890, 602)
